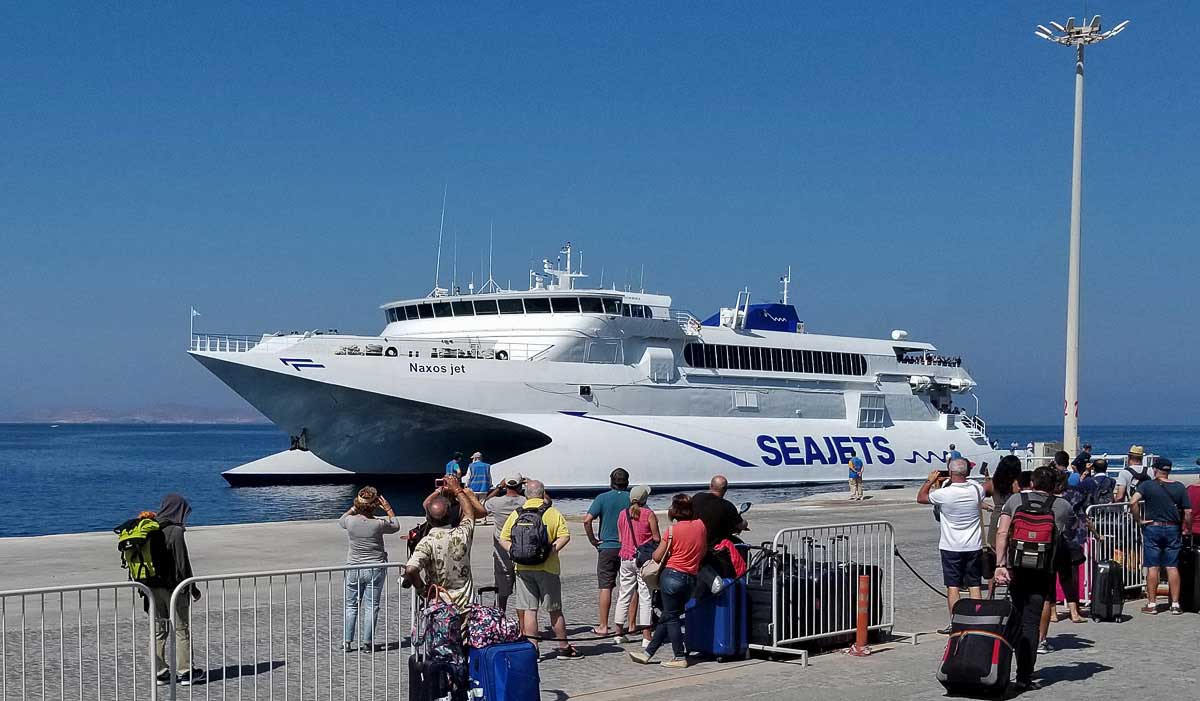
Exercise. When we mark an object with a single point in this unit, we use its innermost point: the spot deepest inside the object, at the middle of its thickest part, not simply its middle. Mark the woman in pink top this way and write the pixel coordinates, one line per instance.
(683, 548)
(636, 527)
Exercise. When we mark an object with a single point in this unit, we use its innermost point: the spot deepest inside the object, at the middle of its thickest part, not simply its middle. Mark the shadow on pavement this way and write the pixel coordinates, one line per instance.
(1078, 671)
(1070, 641)
(247, 670)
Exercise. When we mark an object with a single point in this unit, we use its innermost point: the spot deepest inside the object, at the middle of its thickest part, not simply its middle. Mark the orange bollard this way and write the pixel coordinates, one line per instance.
(860, 649)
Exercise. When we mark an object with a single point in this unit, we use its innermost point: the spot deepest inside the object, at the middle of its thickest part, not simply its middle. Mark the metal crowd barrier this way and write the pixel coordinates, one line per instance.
(278, 634)
(1117, 537)
(812, 574)
(82, 642)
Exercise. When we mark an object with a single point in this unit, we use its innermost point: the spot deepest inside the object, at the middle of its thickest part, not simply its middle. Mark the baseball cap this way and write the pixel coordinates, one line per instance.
(1162, 464)
(1137, 450)
(639, 493)
(513, 480)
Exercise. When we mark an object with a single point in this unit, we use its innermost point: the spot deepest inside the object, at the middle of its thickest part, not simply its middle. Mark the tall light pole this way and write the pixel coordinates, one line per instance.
(1078, 36)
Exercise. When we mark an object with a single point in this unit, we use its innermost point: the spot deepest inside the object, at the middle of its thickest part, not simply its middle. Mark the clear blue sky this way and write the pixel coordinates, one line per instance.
(281, 167)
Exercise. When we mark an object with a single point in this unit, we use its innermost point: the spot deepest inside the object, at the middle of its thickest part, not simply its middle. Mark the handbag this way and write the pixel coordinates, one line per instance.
(642, 553)
(651, 571)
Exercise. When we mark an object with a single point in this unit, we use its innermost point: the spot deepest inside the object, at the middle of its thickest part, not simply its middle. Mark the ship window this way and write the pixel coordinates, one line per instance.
(441, 310)
(537, 305)
(649, 312)
(390, 314)
(485, 306)
(872, 412)
(786, 356)
(463, 308)
(743, 357)
(710, 356)
(837, 363)
(612, 306)
(564, 305)
(410, 313)
(722, 357)
(747, 401)
(637, 311)
(591, 305)
(425, 311)
(689, 355)
(756, 358)
(511, 306)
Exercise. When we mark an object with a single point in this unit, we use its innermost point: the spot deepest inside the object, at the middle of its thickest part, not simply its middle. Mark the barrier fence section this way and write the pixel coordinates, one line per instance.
(280, 634)
(1116, 536)
(813, 577)
(93, 641)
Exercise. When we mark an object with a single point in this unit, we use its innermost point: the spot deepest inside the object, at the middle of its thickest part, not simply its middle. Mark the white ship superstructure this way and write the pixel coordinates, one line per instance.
(565, 383)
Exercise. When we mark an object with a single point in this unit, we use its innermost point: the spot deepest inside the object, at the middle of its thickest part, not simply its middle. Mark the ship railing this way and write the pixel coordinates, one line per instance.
(86, 641)
(687, 321)
(281, 633)
(974, 423)
(223, 342)
(336, 344)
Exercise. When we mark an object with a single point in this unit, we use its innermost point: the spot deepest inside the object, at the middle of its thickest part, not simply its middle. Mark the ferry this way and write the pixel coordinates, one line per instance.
(564, 383)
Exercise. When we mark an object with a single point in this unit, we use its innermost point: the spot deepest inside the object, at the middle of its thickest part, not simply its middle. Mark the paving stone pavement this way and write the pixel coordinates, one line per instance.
(1147, 656)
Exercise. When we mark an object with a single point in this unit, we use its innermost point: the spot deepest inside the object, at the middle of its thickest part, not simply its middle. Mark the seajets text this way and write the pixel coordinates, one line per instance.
(830, 450)
(443, 369)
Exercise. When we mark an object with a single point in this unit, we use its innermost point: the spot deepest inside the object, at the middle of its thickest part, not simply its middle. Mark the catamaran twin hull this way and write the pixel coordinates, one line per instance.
(568, 424)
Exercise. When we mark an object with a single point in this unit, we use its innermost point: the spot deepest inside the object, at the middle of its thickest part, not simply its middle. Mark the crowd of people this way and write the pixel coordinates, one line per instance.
(620, 526)
(973, 556)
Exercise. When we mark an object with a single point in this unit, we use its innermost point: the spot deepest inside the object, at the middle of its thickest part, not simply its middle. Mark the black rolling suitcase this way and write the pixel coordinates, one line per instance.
(1108, 591)
(1189, 575)
(761, 589)
(979, 652)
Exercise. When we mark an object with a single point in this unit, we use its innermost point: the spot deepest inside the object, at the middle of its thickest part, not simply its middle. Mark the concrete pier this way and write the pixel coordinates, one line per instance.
(1143, 656)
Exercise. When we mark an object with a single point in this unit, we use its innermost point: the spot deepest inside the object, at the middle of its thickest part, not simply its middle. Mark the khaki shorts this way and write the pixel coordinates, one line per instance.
(538, 590)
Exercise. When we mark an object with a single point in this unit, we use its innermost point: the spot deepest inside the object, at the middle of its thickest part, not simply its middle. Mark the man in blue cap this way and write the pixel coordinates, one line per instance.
(1162, 507)
(856, 477)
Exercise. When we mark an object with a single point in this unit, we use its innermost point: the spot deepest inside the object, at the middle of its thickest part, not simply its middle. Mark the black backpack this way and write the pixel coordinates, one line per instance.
(1135, 479)
(529, 536)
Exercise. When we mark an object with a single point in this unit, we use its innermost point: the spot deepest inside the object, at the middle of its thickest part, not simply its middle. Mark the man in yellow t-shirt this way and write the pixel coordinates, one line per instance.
(540, 586)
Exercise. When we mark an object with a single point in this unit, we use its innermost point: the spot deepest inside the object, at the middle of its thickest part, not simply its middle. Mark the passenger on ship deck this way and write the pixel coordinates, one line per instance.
(721, 518)
(479, 474)
(607, 508)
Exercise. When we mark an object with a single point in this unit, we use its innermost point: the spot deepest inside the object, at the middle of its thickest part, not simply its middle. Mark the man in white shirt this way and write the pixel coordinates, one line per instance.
(961, 541)
(1132, 475)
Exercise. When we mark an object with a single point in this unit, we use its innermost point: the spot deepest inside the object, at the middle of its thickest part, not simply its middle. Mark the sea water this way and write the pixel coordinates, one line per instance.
(75, 478)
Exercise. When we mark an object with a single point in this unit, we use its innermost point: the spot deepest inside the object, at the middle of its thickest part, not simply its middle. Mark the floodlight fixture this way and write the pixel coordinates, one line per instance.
(1089, 32)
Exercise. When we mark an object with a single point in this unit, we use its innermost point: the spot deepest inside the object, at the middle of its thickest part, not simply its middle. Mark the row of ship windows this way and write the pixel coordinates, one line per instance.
(709, 355)
(519, 305)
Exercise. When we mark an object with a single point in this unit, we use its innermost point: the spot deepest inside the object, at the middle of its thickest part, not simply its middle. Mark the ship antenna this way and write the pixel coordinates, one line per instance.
(454, 265)
(642, 280)
(437, 271)
(786, 280)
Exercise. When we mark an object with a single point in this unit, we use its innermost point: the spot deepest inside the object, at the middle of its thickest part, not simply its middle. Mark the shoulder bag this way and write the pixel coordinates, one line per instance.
(651, 571)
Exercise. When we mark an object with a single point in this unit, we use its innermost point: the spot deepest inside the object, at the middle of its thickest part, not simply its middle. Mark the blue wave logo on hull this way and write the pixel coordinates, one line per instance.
(703, 448)
(928, 456)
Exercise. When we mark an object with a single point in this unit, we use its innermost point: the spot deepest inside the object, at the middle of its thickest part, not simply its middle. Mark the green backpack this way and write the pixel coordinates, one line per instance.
(136, 543)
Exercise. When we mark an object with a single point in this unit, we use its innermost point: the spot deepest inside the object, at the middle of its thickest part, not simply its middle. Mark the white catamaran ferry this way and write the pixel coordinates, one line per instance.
(565, 383)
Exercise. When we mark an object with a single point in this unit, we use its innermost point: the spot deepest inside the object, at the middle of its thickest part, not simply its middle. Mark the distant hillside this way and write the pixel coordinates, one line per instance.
(163, 414)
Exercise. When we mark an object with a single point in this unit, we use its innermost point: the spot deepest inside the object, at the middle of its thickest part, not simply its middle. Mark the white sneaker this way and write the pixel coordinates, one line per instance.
(645, 643)
(619, 640)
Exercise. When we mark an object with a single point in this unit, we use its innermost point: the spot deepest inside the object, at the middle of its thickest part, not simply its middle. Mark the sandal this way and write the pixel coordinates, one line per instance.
(1150, 610)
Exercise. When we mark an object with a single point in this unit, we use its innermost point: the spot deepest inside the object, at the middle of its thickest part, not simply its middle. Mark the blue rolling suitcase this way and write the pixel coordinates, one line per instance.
(718, 625)
(505, 672)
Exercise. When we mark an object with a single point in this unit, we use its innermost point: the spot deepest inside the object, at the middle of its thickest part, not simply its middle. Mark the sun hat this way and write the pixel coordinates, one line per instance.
(1137, 451)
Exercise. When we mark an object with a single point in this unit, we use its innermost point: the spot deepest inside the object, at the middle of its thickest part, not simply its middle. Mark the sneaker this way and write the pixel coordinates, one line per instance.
(192, 677)
(346, 646)
(639, 656)
(569, 653)
(366, 648)
(619, 640)
(1044, 647)
(1022, 687)
(1176, 609)
(676, 663)
(163, 678)
(944, 631)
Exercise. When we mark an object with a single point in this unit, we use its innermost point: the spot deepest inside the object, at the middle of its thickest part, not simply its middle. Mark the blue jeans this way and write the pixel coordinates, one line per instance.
(676, 588)
(367, 586)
